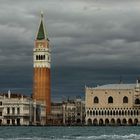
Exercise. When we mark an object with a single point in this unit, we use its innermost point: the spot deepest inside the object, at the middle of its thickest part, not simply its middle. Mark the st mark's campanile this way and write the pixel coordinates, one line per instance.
(41, 63)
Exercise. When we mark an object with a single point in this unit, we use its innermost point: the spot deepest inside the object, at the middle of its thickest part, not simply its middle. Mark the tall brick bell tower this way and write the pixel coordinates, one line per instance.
(41, 63)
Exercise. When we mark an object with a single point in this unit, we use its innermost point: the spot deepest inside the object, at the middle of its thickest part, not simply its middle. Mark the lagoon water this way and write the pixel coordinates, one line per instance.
(70, 133)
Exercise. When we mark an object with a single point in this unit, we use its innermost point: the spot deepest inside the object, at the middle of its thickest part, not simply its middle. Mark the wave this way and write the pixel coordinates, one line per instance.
(101, 137)
(111, 137)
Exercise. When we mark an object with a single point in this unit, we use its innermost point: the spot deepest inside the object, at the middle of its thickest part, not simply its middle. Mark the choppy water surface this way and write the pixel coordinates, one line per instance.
(70, 133)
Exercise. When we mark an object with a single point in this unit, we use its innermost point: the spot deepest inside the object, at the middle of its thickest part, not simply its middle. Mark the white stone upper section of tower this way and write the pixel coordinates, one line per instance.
(42, 57)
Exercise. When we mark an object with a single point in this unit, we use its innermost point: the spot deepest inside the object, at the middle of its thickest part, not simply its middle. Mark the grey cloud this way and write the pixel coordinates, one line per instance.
(94, 34)
(79, 31)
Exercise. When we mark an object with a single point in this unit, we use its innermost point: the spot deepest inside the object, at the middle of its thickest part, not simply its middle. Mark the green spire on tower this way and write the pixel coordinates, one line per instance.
(42, 34)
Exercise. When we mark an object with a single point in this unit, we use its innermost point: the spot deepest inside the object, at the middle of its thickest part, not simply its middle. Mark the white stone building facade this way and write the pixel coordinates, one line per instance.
(73, 112)
(113, 104)
(16, 109)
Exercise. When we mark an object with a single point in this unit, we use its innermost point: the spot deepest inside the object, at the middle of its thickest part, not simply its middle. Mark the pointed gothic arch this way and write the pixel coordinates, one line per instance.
(96, 100)
(110, 99)
(125, 99)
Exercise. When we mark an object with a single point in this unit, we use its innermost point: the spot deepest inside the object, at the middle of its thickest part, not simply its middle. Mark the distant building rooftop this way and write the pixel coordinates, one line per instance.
(14, 95)
(116, 86)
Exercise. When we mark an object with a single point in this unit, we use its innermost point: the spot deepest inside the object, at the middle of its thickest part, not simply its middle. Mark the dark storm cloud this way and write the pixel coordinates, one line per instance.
(92, 34)
(80, 31)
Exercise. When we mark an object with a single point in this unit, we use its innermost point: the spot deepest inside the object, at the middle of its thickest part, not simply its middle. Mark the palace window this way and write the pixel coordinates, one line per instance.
(96, 112)
(120, 113)
(8, 110)
(137, 101)
(125, 99)
(110, 112)
(88, 113)
(8, 122)
(110, 100)
(13, 110)
(18, 110)
(117, 112)
(131, 112)
(96, 100)
(137, 112)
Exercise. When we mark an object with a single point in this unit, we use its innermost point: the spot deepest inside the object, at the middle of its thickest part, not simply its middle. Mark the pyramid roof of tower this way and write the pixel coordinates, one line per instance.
(42, 33)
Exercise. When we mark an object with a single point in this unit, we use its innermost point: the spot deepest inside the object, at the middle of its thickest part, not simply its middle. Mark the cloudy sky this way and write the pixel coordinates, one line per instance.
(93, 42)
